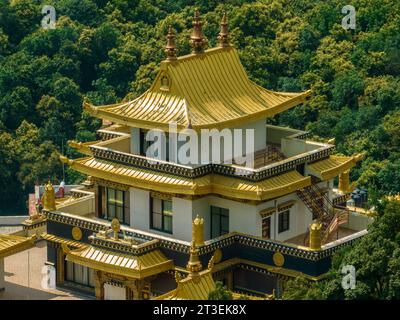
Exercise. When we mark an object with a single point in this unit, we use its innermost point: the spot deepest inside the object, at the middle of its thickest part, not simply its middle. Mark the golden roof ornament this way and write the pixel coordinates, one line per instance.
(170, 48)
(116, 227)
(197, 40)
(49, 197)
(194, 265)
(223, 35)
(315, 235)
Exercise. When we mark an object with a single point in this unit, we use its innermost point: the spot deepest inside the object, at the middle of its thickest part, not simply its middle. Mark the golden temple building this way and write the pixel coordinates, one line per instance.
(145, 222)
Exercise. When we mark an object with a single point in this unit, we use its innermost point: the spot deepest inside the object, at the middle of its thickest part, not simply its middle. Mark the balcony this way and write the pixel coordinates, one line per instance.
(285, 150)
(349, 225)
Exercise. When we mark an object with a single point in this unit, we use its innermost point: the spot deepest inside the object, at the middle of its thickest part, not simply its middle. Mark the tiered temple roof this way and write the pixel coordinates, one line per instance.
(204, 90)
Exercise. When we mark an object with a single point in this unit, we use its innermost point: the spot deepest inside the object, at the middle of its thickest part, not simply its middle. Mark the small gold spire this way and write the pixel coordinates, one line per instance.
(170, 48)
(223, 35)
(197, 40)
(194, 265)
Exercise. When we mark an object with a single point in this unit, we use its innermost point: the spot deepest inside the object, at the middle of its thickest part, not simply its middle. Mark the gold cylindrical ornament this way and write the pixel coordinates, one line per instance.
(344, 181)
(198, 231)
(315, 236)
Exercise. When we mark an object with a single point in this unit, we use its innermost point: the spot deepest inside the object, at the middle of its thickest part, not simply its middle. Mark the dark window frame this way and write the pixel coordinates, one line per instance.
(283, 221)
(162, 214)
(222, 213)
(266, 225)
(125, 210)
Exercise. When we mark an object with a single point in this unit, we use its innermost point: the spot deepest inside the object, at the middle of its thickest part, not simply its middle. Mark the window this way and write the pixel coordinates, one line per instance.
(79, 274)
(283, 221)
(266, 227)
(219, 221)
(161, 214)
(116, 205)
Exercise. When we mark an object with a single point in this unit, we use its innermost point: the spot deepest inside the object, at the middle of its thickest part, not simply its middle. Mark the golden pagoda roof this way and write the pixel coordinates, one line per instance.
(329, 168)
(192, 288)
(205, 90)
(275, 186)
(118, 263)
(11, 244)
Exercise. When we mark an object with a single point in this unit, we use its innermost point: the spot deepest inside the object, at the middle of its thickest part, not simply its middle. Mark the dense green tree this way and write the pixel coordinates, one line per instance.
(108, 51)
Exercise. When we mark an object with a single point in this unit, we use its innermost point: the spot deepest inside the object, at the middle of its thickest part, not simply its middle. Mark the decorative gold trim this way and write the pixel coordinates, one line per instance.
(76, 233)
(267, 212)
(286, 205)
(279, 259)
(161, 195)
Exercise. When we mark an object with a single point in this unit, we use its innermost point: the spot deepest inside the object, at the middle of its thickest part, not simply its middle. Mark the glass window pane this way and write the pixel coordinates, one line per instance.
(157, 221)
(110, 196)
(119, 198)
(119, 213)
(110, 212)
(168, 223)
(215, 223)
(167, 206)
(156, 205)
(224, 224)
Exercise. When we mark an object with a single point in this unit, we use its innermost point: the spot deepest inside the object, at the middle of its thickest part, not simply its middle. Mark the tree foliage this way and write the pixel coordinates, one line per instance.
(108, 51)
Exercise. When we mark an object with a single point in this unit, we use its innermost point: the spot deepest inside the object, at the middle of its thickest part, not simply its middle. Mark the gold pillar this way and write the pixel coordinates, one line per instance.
(60, 275)
(315, 236)
(99, 285)
(344, 182)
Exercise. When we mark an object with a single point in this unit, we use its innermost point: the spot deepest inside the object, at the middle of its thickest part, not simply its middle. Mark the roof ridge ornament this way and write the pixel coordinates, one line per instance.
(170, 48)
(223, 35)
(197, 40)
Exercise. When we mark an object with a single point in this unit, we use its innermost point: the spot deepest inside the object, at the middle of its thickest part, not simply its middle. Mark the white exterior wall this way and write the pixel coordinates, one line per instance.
(182, 219)
(135, 140)
(299, 218)
(259, 141)
(139, 201)
(114, 293)
(243, 217)
(2, 285)
(140, 215)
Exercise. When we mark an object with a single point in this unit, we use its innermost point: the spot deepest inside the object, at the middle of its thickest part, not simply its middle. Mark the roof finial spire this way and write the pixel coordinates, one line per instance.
(223, 35)
(170, 48)
(197, 40)
(194, 265)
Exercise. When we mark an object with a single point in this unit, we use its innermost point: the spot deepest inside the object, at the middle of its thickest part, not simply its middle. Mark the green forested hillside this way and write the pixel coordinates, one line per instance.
(106, 51)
